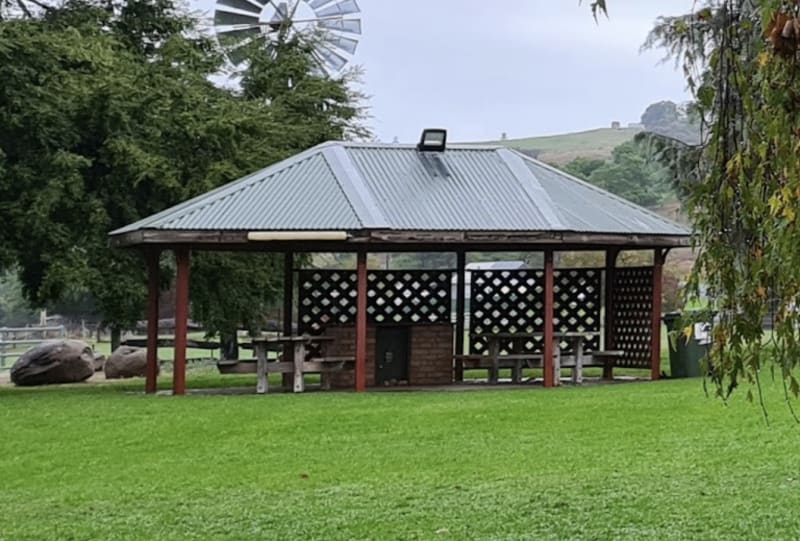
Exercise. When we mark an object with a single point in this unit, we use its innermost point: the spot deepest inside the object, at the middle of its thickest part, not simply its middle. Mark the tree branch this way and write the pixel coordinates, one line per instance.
(24, 9)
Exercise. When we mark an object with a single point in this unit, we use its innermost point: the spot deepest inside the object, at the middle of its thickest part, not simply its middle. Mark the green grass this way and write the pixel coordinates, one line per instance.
(634, 461)
(561, 149)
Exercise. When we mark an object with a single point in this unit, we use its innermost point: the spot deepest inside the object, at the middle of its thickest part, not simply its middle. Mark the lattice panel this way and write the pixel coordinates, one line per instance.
(578, 300)
(633, 309)
(513, 302)
(326, 298)
(509, 301)
(410, 296)
(329, 298)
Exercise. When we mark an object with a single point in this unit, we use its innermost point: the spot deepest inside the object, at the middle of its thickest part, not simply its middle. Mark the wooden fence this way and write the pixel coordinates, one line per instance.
(14, 340)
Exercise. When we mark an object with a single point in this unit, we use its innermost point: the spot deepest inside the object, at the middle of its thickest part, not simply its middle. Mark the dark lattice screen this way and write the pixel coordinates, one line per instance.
(633, 308)
(329, 297)
(509, 301)
(578, 300)
(512, 301)
(326, 298)
(410, 296)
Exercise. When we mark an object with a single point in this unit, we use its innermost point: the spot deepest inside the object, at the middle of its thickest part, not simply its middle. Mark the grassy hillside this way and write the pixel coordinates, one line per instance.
(561, 149)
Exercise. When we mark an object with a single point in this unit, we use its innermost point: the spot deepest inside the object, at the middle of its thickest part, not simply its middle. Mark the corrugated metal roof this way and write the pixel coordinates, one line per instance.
(300, 194)
(585, 208)
(352, 187)
(480, 193)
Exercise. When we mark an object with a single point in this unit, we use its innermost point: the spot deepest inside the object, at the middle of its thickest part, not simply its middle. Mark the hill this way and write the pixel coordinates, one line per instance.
(561, 149)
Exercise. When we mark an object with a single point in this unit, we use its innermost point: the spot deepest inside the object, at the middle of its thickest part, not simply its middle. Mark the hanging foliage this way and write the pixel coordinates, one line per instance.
(741, 61)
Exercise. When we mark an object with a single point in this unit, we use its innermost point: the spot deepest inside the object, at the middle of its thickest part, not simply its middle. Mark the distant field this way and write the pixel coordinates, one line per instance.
(561, 149)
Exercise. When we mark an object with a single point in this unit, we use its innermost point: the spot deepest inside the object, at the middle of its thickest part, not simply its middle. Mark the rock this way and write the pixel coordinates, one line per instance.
(54, 361)
(99, 361)
(126, 362)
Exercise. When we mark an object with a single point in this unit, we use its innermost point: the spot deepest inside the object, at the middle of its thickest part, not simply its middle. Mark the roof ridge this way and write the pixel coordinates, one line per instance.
(412, 146)
(597, 189)
(533, 188)
(355, 190)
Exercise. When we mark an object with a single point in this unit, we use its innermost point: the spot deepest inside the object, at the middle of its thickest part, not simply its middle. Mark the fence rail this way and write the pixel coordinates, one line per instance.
(13, 337)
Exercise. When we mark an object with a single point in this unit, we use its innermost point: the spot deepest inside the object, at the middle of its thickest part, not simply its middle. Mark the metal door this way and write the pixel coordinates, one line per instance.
(392, 355)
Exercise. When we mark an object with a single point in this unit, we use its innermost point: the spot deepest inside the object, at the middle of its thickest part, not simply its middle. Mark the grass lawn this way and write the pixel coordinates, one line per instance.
(634, 461)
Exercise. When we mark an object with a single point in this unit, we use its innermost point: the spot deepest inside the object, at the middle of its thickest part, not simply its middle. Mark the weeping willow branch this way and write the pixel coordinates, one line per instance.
(741, 59)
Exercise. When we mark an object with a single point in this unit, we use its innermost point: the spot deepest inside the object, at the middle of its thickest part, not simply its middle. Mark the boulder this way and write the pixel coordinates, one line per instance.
(126, 362)
(54, 361)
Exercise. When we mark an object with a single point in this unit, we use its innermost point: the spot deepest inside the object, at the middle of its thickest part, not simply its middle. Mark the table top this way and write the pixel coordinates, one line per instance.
(307, 338)
(576, 334)
(508, 336)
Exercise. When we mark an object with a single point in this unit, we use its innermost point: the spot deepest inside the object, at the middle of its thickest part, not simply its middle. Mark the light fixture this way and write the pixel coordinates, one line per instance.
(287, 236)
(433, 140)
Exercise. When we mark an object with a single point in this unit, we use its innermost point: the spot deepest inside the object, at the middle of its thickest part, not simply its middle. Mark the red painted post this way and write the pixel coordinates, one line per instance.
(658, 267)
(549, 338)
(611, 271)
(151, 373)
(181, 321)
(361, 324)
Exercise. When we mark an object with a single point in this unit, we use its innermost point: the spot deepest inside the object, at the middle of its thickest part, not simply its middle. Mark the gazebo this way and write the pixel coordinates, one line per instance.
(343, 197)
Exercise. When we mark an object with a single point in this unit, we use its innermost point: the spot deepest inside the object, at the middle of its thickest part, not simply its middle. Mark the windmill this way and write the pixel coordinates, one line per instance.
(333, 25)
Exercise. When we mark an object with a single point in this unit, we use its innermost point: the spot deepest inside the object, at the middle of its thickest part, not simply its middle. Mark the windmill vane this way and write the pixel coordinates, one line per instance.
(335, 24)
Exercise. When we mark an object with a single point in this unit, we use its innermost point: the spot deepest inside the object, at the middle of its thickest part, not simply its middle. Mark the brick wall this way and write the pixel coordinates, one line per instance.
(430, 362)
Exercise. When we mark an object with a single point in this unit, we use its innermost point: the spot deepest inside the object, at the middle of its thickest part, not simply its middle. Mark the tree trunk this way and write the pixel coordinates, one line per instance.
(229, 343)
(116, 338)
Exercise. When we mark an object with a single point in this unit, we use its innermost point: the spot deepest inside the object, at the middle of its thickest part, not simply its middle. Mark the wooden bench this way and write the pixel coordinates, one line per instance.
(325, 366)
(599, 359)
(607, 360)
(516, 362)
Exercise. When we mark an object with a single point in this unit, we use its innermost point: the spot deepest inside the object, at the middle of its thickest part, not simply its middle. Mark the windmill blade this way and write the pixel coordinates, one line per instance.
(332, 59)
(236, 36)
(342, 43)
(238, 31)
(318, 3)
(345, 7)
(225, 18)
(251, 6)
(350, 26)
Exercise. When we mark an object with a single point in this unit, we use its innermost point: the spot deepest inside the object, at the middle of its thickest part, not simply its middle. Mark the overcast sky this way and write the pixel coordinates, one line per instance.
(525, 67)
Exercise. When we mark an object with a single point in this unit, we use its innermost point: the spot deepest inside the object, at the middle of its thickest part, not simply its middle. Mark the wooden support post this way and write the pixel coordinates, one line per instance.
(609, 338)
(655, 345)
(298, 379)
(461, 302)
(288, 292)
(151, 372)
(262, 386)
(181, 321)
(2, 349)
(361, 324)
(549, 338)
(288, 313)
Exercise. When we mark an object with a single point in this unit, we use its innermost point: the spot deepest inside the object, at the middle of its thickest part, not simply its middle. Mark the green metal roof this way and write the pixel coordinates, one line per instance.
(365, 186)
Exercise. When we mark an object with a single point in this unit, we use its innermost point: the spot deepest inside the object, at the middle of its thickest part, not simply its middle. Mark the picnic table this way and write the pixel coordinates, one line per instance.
(577, 359)
(516, 359)
(299, 365)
